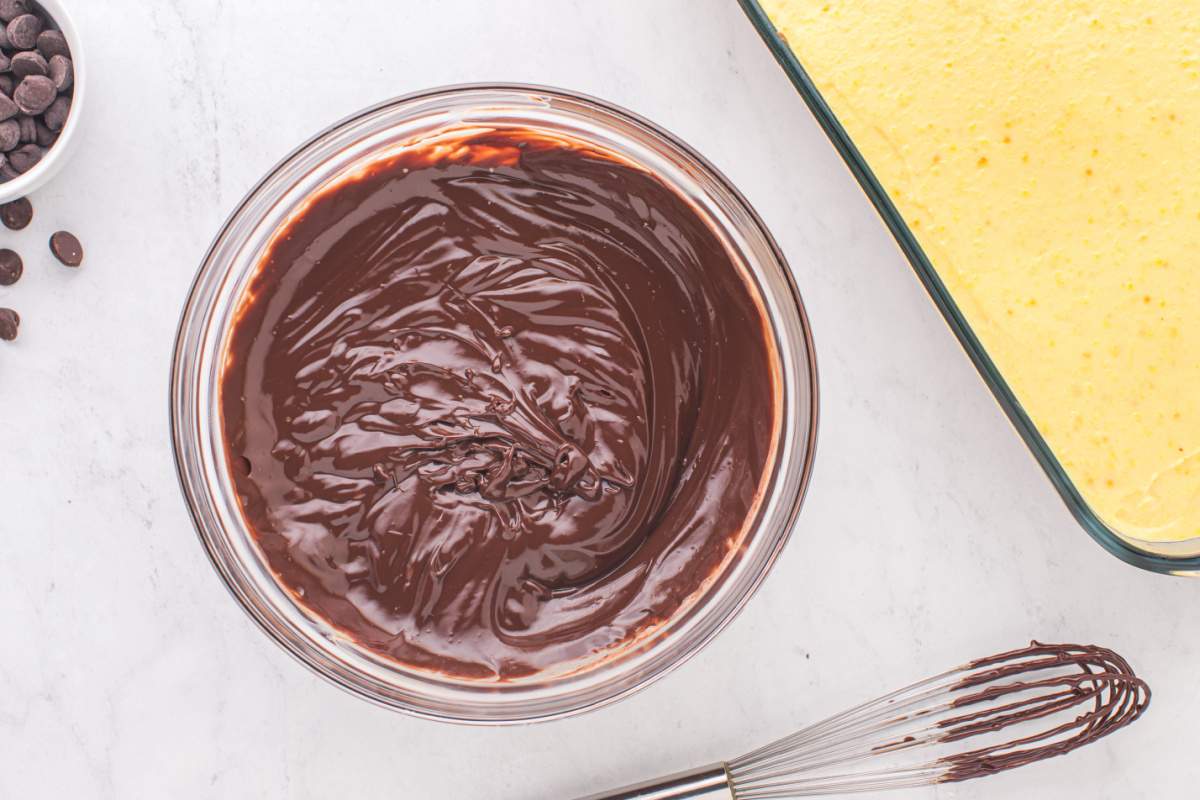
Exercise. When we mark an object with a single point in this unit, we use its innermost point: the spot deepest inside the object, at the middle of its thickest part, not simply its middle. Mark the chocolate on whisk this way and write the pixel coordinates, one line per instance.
(1098, 683)
(987, 716)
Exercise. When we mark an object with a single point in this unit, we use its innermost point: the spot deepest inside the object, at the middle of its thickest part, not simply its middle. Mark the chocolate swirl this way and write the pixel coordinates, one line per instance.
(499, 405)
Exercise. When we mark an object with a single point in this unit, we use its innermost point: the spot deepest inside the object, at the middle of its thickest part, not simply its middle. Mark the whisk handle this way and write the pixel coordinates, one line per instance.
(707, 783)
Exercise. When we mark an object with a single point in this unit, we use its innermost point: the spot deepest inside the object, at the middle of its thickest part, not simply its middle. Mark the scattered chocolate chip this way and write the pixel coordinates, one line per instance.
(11, 9)
(29, 63)
(66, 248)
(10, 134)
(28, 128)
(35, 94)
(10, 322)
(8, 109)
(25, 158)
(6, 83)
(62, 72)
(52, 43)
(17, 215)
(11, 267)
(23, 31)
(45, 137)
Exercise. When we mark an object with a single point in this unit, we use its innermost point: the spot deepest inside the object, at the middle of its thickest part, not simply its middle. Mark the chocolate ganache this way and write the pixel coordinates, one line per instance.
(499, 404)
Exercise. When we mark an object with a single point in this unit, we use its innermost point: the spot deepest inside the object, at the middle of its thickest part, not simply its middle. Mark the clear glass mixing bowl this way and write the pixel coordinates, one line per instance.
(199, 439)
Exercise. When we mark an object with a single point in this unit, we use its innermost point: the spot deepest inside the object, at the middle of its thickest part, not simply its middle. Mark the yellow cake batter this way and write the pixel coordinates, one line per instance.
(1047, 157)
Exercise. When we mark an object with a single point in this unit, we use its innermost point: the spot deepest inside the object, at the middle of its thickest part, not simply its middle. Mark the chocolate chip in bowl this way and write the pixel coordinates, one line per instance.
(41, 93)
(23, 31)
(28, 62)
(568, 417)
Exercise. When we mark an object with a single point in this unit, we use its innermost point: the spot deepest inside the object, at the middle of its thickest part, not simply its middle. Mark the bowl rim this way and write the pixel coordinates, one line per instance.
(803, 427)
(61, 151)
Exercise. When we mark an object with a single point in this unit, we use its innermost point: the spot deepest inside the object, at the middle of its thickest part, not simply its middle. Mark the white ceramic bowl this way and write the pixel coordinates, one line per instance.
(60, 153)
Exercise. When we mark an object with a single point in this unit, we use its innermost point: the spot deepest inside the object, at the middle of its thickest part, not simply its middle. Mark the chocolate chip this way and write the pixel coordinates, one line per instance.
(62, 72)
(23, 31)
(11, 9)
(28, 128)
(10, 134)
(5, 62)
(66, 248)
(25, 158)
(6, 84)
(8, 109)
(45, 136)
(10, 322)
(52, 43)
(11, 267)
(17, 215)
(35, 94)
(7, 173)
(29, 63)
(56, 115)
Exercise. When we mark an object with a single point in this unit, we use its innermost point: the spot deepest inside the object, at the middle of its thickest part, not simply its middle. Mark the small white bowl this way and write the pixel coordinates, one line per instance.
(61, 151)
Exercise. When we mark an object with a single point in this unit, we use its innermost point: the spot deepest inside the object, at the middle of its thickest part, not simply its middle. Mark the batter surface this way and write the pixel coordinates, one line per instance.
(1045, 155)
(500, 405)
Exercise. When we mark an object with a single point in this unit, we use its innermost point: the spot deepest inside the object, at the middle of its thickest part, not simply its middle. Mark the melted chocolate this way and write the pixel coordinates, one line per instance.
(499, 405)
(1094, 683)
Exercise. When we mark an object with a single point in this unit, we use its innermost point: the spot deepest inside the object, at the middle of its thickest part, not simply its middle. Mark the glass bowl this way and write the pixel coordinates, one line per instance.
(198, 437)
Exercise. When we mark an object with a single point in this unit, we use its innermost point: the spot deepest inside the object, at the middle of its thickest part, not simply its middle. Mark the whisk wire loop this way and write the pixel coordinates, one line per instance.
(1021, 706)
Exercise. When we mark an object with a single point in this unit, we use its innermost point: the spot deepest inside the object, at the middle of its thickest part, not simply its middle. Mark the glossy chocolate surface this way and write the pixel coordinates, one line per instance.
(500, 405)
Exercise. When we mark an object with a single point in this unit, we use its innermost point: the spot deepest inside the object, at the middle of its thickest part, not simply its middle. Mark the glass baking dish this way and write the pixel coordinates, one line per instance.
(1176, 558)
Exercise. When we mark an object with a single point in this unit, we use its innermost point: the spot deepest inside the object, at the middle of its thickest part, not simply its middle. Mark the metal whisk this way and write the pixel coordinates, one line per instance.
(987, 716)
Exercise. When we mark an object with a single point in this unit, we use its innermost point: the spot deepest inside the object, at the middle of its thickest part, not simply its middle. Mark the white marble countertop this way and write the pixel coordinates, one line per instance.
(930, 535)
